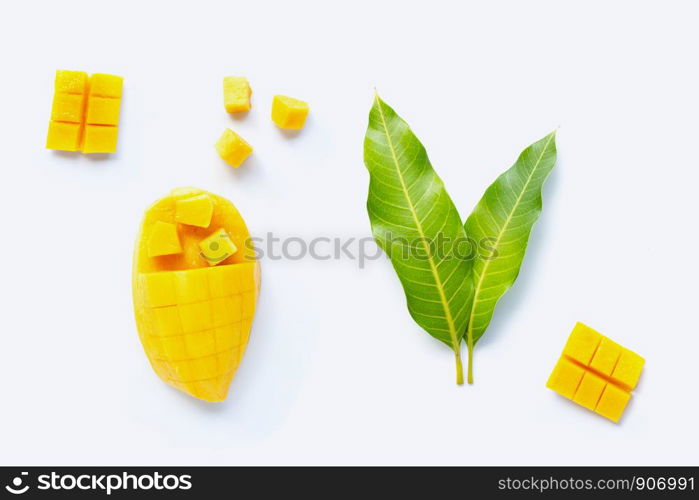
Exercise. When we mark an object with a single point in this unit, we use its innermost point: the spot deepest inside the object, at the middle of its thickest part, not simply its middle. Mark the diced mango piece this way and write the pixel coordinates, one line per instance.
(289, 113)
(68, 107)
(100, 139)
(191, 285)
(628, 369)
(236, 94)
(70, 82)
(589, 390)
(582, 343)
(97, 116)
(106, 85)
(64, 136)
(610, 372)
(606, 356)
(613, 402)
(164, 240)
(217, 247)
(232, 148)
(103, 111)
(565, 378)
(195, 211)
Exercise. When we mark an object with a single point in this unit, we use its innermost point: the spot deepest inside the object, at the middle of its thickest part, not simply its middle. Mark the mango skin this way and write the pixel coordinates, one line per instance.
(194, 320)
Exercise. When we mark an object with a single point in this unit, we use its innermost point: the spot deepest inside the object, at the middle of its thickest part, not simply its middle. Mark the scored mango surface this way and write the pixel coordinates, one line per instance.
(596, 372)
(85, 112)
(194, 318)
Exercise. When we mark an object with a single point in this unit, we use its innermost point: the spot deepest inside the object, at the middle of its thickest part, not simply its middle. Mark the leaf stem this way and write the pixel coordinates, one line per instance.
(459, 368)
(469, 345)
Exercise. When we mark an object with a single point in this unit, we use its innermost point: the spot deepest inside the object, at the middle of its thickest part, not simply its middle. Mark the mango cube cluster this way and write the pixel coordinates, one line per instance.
(85, 112)
(289, 113)
(596, 372)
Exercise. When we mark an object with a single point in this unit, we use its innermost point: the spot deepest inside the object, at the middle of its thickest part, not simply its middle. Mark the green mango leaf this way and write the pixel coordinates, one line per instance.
(502, 221)
(415, 222)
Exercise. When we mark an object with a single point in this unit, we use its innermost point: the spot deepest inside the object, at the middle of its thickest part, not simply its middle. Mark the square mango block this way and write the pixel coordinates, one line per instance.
(68, 107)
(232, 148)
(106, 85)
(191, 286)
(195, 211)
(582, 343)
(606, 356)
(64, 136)
(628, 369)
(613, 402)
(163, 240)
(159, 289)
(103, 111)
(236, 94)
(565, 378)
(289, 113)
(589, 390)
(100, 139)
(217, 247)
(70, 82)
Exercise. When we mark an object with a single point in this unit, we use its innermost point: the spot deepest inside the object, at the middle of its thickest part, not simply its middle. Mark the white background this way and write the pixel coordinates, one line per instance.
(336, 371)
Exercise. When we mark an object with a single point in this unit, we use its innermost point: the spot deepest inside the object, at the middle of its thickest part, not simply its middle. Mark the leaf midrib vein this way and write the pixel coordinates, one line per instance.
(484, 271)
(435, 274)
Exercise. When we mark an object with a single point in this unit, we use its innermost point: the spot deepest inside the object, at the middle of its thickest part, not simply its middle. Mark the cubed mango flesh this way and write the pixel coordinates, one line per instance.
(232, 148)
(217, 247)
(596, 372)
(163, 240)
(194, 211)
(289, 113)
(193, 319)
(93, 105)
(236, 94)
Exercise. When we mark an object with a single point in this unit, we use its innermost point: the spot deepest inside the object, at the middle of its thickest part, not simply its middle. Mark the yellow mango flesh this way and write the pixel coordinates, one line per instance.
(232, 148)
(85, 112)
(194, 319)
(236, 94)
(289, 113)
(596, 372)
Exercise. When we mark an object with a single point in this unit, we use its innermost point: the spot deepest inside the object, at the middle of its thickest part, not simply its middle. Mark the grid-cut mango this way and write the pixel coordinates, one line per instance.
(85, 112)
(194, 319)
(236, 94)
(289, 113)
(163, 240)
(596, 372)
(232, 148)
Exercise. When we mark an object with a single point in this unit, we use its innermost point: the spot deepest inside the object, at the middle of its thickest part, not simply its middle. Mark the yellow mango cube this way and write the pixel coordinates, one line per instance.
(606, 356)
(195, 211)
(217, 247)
(102, 85)
(232, 148)
(68, 107)
(70, 82)
(103, 111)
(596, 372)
(565, 378)
(236, 94)
(159, 289)
(289, 113)
(164, 240)
(613, 402)
(582, 343)
(64, 136)
(589, 390)
(628, 369)
(99, 139)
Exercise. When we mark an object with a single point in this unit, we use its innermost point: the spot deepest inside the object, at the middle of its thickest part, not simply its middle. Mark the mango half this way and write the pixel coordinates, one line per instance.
(193, 314)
